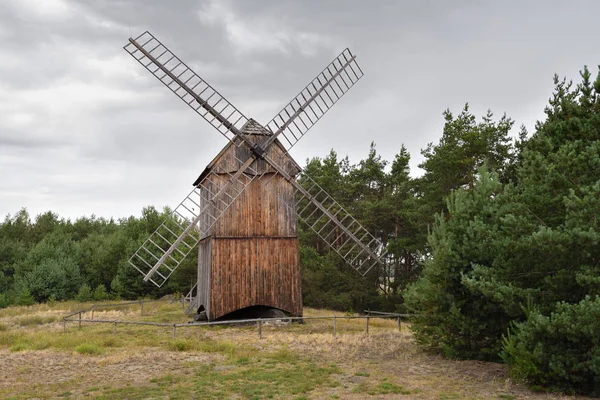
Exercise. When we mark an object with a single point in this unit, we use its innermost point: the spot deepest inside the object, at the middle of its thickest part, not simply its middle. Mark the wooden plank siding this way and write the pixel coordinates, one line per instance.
(255, 271)
(250, 257)
(260, 211)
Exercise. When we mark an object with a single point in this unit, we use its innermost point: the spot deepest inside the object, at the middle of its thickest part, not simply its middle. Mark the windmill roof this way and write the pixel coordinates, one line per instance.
(253, 128)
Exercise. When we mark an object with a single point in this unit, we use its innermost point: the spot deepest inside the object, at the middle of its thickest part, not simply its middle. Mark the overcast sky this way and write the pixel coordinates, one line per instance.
(84, 129)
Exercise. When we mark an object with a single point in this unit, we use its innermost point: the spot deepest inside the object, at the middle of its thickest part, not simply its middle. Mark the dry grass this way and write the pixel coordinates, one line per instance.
(290, 361)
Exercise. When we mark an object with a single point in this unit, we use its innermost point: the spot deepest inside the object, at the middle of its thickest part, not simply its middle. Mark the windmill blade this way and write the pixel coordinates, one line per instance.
(300, 114)
(337, 227)
(186, 84)
(333, 224)
(155, 246)
(166, 248)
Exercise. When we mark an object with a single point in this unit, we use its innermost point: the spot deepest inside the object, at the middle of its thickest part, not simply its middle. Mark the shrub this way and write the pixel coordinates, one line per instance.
(560, 352)
(50, 277)
(3, 301)
(100, 293)
(24, 298)
(85, 293)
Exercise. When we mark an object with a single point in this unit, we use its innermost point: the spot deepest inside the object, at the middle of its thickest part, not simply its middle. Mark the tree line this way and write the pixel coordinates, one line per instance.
(494, 248)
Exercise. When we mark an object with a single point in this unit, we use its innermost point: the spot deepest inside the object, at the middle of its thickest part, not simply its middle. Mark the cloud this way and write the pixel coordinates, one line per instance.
(258, 34)
(85, 129)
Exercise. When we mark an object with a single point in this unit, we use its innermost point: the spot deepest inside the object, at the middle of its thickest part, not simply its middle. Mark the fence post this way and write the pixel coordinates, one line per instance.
(115, 329)
(259, 327)
(79, 319)
(334, 327)
(399, 325)
(142, 307)
(367, 325)
(174, 331)
(92, 313)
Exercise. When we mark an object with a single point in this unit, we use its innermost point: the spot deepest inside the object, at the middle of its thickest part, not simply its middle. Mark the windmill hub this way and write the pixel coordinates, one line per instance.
(258, 150)
(242, 215)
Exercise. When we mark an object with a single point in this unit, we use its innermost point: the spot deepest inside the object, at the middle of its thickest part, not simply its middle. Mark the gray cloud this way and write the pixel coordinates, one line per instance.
(85, 129)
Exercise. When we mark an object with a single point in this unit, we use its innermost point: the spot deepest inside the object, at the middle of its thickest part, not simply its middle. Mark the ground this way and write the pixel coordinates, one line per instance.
(39, 360)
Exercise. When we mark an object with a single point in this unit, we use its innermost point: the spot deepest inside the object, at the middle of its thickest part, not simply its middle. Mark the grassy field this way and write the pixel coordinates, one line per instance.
(298, 361)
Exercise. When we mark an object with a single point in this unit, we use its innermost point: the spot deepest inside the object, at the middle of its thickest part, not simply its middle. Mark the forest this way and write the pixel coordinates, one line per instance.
(494, 246)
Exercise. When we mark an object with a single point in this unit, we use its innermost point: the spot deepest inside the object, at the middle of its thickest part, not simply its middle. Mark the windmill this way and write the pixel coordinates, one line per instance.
(244, 208)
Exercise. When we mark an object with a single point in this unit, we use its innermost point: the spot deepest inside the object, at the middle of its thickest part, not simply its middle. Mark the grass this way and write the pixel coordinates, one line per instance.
(266, 378)
(380, 388)
(91, 349)
(180, 345)
(270, 377)
(36, 320)
(449, 396)
(18, 347)
(297, 361)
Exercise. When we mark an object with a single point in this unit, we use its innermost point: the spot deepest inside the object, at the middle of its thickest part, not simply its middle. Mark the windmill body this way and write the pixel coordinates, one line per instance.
(248, 260)
(243, 212)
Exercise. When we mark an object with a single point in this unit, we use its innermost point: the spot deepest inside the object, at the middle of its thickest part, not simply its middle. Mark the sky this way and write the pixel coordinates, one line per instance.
(85, 130)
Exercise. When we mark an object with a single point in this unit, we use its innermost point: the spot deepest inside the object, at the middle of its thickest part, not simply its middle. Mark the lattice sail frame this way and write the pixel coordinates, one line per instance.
(325, 90)
(178, 77)
(291, 123)
(344, 234)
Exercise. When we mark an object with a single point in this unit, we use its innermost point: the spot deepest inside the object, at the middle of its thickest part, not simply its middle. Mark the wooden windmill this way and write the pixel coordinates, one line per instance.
(242, 213)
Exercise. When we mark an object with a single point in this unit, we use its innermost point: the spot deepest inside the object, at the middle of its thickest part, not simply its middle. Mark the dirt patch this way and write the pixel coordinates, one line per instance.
(48, 367)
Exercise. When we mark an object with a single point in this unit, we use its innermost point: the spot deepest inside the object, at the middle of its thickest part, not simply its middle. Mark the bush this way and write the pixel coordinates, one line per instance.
(51, 277)
(3, 301)
(85, 293)
(100, 293)
(24, 298)
(560, 352)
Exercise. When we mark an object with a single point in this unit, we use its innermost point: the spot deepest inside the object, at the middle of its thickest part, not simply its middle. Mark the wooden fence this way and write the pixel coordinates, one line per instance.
(77, 317)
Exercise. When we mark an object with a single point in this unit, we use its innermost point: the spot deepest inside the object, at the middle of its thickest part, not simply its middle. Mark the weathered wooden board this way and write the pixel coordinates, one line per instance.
(254, 271)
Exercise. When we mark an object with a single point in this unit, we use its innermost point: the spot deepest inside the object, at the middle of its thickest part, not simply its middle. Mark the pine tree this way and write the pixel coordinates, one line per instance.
(448, 317)
(463, 148)
(525, 256)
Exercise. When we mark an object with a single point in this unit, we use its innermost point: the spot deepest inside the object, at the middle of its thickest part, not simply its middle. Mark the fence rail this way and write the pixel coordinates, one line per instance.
(258, 321)
(389, 314)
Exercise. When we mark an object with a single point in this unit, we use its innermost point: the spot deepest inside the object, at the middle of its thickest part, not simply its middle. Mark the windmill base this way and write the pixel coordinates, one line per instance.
(251, 312)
